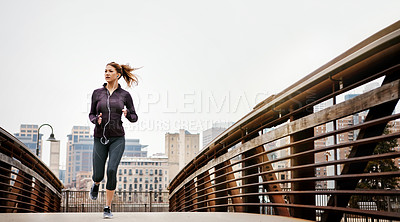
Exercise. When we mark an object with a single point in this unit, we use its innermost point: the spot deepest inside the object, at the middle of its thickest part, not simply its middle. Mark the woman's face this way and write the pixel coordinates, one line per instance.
(111, 74)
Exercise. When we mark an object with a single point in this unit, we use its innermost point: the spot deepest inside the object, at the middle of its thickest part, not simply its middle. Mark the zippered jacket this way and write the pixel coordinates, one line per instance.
(111, 108)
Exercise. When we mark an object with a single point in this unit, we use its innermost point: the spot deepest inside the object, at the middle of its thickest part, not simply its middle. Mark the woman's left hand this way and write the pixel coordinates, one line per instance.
(125, 111)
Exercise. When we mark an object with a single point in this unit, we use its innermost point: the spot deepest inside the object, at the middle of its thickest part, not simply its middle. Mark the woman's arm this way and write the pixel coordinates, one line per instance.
(130, 112)
(93, 113)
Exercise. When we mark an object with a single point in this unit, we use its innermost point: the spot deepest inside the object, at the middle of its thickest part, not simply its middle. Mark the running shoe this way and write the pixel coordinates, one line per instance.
(107, 213)
(94, 191)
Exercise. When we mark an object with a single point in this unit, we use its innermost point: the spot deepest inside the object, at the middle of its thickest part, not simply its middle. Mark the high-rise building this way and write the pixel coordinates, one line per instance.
(79, 154)
(54, 164)
(133, 148)
(214, 131)
(28, 135)
(62, 175)
(180, 148)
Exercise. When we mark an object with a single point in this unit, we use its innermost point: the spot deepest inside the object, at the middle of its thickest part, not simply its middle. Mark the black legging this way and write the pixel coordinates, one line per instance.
(114, 149)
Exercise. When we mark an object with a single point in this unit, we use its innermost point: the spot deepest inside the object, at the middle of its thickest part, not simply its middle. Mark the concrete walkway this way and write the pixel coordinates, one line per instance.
(143, 217)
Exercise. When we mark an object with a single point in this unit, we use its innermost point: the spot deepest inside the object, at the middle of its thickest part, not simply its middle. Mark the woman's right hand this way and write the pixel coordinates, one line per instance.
(99, 118)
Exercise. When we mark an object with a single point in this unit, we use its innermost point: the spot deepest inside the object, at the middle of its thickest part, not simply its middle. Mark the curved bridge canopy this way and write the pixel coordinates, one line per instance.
(26, 183)
(287, 157)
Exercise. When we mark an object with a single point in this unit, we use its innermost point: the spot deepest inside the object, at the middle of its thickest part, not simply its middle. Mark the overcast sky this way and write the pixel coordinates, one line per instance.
(204, 61)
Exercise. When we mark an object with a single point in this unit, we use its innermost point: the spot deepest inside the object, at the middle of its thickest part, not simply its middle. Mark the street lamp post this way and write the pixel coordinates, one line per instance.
(51, 138)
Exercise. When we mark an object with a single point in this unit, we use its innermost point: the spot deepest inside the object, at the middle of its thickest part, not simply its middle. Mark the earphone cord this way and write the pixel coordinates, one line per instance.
(109, 117)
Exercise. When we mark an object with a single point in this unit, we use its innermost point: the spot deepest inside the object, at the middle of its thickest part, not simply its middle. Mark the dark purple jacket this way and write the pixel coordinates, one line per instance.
(117, 101)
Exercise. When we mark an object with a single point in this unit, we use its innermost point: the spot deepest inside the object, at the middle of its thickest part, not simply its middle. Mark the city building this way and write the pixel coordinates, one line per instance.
(83, 180)
(79, 154)
(337, 154)
(62, 175)
(133, 148)
(141, 174)
(214, 131)
(282, 175)
(180, 148)
(54, 164)
(28, 135)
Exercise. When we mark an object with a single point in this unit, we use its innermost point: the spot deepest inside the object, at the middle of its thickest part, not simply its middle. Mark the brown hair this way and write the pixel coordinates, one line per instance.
(126, 72)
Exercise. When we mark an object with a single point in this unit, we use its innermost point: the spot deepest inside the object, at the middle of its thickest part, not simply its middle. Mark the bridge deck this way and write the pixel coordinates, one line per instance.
(145, 217)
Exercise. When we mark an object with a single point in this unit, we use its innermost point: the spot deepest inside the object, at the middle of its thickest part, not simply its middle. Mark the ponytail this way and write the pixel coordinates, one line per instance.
(126, 72)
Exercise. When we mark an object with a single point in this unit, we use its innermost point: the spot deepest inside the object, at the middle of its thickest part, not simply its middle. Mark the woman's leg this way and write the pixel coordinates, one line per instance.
(109, 197)
(116, 150)
(100, 153)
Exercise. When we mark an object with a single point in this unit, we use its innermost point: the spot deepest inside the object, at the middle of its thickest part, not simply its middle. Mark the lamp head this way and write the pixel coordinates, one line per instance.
(52, 138)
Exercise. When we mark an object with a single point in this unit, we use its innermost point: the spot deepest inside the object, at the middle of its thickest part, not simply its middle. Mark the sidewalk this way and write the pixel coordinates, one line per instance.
(143, 217)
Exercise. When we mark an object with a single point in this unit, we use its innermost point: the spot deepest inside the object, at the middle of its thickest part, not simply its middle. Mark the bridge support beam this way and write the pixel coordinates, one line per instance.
(271, 187)
(308, 214)
(252, 200)
(220, 179)
(385, 109)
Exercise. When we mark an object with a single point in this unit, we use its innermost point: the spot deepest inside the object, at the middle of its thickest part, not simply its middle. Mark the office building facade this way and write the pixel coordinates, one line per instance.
(28, 136)
(180, 148)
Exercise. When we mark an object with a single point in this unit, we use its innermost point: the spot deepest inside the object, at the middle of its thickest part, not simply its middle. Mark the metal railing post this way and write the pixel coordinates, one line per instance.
(66, 200)
(150, 200)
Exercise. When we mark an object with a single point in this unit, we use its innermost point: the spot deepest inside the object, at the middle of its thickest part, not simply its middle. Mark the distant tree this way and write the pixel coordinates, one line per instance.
(382, 165)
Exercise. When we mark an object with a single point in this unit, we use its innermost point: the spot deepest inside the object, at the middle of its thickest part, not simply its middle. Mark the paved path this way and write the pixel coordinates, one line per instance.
(143, 217)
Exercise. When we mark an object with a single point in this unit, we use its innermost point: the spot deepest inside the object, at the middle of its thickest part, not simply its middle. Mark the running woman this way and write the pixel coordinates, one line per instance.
(108, 106)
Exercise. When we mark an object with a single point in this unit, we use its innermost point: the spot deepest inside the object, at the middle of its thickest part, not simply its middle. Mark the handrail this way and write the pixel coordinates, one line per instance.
(235, 172)
(26, 183)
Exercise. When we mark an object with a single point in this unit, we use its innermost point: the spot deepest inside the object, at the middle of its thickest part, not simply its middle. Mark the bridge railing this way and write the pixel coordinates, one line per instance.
(26, 183)
(123, 201)
(305, 138)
